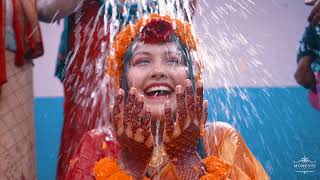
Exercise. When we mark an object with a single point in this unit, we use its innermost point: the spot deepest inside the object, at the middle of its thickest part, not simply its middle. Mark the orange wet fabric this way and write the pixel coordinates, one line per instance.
(221, 140)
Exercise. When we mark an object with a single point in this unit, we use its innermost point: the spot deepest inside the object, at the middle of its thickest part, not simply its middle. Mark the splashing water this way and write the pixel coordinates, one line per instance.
(157, 149)
(94, 90)
(231, 61)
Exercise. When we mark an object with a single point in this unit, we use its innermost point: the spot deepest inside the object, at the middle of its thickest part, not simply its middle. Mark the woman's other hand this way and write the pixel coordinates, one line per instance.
(52, 10)
(180, 138)
(132, 123)
(304, 74)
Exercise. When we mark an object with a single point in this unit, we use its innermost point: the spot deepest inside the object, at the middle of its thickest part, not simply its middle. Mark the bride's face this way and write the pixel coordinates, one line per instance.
(155, 70)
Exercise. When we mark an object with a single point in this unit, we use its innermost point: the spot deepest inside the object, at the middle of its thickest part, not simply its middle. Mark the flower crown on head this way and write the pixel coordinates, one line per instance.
(154, 29)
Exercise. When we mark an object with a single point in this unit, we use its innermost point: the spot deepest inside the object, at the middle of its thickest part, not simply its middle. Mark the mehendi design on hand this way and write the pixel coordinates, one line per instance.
(146, 123)
(116, 117)
(169, 124)
(181, 145)
(199, 100)
(181, 107)
(137, 113)
(133, 128)
(129, 110)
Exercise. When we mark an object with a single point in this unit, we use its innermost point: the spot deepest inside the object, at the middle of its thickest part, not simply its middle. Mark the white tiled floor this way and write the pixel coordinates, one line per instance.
(17, 148)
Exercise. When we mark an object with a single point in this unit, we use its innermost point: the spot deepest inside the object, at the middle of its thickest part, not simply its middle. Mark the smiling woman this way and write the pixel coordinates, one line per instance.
(155, 70)
(159, 115)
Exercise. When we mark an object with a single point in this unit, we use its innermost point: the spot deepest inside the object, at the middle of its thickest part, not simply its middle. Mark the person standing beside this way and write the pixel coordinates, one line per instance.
(20, 43)
(308, 57)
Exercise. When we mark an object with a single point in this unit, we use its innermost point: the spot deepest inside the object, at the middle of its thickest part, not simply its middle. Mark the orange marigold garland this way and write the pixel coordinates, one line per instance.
(104, 168)
(108, 169)
(216, 169)
(124, 39)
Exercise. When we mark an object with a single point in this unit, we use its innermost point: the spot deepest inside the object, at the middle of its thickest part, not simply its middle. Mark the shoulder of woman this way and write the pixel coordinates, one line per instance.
(219, 126)
(220, 131)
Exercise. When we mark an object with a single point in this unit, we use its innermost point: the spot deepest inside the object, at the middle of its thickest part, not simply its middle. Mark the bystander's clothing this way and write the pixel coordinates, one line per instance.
(310, 46)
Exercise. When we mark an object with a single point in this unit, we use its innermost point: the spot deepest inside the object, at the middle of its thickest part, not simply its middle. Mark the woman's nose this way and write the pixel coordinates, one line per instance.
(159, 72)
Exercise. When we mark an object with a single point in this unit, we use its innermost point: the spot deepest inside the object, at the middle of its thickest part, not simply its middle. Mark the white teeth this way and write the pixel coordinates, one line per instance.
(158, 88)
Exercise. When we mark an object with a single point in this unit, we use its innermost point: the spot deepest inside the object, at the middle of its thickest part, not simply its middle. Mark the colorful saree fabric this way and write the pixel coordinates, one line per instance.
(221, 140)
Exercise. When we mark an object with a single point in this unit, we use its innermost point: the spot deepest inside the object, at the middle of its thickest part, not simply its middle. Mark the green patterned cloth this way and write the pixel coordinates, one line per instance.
(310, 46)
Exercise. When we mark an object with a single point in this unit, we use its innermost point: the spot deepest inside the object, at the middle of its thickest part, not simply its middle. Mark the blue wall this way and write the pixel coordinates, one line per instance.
(278, 124)
(48, 123)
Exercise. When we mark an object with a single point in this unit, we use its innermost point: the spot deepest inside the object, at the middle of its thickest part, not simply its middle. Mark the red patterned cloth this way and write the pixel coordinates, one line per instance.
(93, 146)
(27, 33)
(81, 78)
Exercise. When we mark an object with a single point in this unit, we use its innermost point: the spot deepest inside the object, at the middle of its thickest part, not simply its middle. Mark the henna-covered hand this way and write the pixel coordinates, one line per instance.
(181, 137)
(132, 123)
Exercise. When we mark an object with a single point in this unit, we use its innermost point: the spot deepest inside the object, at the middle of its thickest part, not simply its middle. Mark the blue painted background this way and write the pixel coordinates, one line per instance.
(278, 124)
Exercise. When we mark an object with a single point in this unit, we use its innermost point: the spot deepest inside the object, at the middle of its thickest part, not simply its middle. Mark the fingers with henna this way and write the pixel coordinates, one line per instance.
(199, 102)
(146, 127)
(189, 101)
(137, 113)
(129, 112)
(181, 108)
(168, 122)
(117, 115)
(204, 116)
(137, 120)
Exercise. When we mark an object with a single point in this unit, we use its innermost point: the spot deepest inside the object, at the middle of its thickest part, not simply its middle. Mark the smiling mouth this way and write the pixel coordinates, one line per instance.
(158, 91)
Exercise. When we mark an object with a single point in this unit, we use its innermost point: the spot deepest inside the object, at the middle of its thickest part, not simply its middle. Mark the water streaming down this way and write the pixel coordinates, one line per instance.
(229, 58)
(232, 62)
(233, 72)
(157, 148)
(219, 59)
